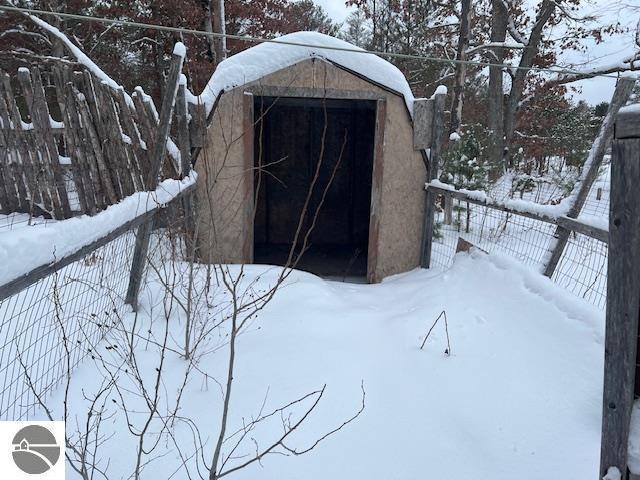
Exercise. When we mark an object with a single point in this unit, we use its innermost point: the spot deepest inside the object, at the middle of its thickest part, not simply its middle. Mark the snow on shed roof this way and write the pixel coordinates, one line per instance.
(266, 58)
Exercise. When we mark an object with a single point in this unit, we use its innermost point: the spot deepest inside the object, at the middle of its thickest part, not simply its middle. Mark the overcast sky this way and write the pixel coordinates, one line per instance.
(613, 49)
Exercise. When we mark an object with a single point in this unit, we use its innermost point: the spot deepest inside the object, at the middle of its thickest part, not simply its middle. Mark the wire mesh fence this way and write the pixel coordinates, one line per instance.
(491, 230)
(70, 309)
(15, 220)
(583, 269)
(583, 266)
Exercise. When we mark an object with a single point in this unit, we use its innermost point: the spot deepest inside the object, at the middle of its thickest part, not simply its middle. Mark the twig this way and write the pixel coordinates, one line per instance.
(446, 328)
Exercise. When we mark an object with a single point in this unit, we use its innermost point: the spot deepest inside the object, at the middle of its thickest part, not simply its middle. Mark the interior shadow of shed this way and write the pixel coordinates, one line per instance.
(321, 174)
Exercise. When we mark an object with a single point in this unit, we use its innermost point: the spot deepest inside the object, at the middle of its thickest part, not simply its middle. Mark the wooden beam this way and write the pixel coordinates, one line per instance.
(627, 123)
(373, 275)
(305, 92)
(182, 114)
(157, 156)
(437, 131)
(248, 139)
(422, 123)
(623, 298)
(620, 97)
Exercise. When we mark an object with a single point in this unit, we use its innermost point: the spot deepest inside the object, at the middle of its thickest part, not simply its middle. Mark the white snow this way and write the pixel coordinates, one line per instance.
(633, 108)
(180, 50)
(440, 90)
(601, 222)
(627, 66)
(26, 247)
(269, 57)
(633, 453)
(489, 45)
(524, 206)
(613, 473)
(521, 391)
(454, 137)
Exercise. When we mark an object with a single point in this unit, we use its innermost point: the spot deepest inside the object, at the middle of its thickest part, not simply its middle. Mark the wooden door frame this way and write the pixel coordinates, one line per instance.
(248, 142)
(377, 169)
(376, 193)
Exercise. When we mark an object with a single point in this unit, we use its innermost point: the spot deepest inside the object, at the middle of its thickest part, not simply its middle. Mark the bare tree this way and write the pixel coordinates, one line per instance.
(466, 14)
(496, 85)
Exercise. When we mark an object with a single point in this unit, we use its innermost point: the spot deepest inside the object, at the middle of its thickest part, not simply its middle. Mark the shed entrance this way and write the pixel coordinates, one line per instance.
(294, 138)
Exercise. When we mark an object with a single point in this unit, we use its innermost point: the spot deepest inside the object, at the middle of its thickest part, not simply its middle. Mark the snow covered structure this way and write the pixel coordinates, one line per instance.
(278, 110)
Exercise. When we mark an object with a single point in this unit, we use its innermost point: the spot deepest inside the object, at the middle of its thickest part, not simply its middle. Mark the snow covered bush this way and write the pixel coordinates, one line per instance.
(464, 163)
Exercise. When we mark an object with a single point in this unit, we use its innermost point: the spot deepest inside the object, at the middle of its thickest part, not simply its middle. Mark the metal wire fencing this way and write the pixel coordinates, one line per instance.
(583, 269)
(491, 230)
(583, 266)
(70, 309)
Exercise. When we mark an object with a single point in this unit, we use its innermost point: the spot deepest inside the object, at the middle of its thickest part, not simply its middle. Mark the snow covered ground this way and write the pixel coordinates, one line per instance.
(518, 397)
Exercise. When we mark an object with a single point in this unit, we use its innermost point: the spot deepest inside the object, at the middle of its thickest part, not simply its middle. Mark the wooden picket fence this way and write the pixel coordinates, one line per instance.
(95, 153)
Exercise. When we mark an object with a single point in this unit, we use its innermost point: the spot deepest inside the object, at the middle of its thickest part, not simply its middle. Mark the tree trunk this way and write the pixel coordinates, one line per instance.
(529, 54)
(214, 22)
(461, 68)
(496, 96)
(220, 43)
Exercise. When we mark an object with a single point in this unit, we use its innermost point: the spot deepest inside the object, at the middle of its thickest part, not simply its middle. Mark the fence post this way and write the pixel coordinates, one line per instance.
(156, 158)
(182, 111)
(596, 154)
(623, 292)
(432, 173)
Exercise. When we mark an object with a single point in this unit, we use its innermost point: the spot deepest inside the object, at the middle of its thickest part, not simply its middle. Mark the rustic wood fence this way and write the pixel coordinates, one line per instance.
(95, 152)
(69, 304)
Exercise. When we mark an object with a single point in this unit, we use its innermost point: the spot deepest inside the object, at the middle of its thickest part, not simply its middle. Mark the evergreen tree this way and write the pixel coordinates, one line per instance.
(357, 29)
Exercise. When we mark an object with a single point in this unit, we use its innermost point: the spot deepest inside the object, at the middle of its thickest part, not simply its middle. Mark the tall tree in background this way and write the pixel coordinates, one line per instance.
(138, 56)
(410, 27)
(307, 16)
(356, 30)
(214, 22)
(496, 85)
(466, 14)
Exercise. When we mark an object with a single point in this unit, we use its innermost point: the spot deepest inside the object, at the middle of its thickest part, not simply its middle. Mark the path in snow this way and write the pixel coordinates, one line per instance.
(520, 396)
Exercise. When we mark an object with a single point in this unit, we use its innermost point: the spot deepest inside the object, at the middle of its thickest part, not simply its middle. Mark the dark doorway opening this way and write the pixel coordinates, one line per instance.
(292, 137)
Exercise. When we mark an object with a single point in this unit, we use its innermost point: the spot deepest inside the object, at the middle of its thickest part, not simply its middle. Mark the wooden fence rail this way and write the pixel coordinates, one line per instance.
(96, 152)
(621, 94)
(570, 224)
